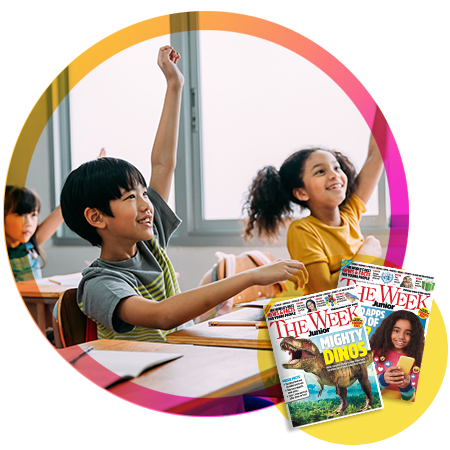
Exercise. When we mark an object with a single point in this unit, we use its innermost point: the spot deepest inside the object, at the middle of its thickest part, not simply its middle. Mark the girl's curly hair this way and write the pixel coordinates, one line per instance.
(270, 200)
(381, 340)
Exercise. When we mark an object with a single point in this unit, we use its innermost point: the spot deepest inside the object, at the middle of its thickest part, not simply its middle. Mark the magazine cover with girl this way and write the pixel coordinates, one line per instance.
(323, 356)
(396, 305)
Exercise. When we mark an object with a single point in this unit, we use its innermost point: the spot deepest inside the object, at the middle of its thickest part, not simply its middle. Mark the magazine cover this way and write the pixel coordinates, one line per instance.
(323, 356)
(396, 305)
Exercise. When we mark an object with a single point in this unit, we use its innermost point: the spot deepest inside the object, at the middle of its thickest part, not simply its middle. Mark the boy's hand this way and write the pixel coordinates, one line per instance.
(394, 375)
(167, 61)
(279, 270)
(370, 247)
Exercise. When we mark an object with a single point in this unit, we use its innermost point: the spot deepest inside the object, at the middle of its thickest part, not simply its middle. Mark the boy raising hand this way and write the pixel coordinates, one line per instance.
(164, 153)
(131, 291)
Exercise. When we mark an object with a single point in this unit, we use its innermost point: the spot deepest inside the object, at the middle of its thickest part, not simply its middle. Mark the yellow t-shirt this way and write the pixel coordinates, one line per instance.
(310, 241)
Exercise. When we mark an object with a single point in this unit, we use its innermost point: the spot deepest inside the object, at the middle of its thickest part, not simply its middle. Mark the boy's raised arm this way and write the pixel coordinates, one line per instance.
(164, 152)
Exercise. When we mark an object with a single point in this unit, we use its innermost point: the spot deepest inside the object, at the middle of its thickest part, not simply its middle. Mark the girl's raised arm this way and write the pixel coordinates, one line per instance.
(49, 226)
(373, 166)
(370, 173)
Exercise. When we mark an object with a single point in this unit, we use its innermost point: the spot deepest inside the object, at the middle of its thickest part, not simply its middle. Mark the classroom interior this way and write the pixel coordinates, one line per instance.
(242, 125)
(247, 103)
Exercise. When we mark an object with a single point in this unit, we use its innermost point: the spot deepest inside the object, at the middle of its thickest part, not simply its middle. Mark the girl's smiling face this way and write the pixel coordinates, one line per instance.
(310, 305)
(401, 335)
(324, 182)
(20, 228)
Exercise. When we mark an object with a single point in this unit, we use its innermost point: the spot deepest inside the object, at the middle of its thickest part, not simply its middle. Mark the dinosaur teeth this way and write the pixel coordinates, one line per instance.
(291, 349)
(287, 347)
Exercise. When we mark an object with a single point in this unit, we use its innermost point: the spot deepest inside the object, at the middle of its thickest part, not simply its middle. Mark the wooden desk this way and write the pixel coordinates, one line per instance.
(37, 295)
(187, 383)
(238, 337)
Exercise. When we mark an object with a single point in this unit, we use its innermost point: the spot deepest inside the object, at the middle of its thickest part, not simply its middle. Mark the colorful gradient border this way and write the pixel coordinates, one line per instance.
(335, 30)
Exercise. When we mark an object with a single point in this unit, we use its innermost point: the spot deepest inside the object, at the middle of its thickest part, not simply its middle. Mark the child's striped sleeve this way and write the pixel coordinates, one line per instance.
(408, 392)
(383, 383)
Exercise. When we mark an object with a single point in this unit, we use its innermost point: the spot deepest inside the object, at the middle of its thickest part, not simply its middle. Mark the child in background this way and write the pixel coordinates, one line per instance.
(131, 291)
(325, 182)
(399, 334)
(23, 234)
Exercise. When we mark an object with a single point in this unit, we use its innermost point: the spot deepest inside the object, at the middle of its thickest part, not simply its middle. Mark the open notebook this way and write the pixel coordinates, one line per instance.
(108, 367)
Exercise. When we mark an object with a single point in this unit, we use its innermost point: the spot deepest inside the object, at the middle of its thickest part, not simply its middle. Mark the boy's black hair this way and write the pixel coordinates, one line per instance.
(22, 200)
(93, 185)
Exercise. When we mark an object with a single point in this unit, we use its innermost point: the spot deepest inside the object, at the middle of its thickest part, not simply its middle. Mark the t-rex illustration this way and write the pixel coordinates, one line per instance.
(306, 356)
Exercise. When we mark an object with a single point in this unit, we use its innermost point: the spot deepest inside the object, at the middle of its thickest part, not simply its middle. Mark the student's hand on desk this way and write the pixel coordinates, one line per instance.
(167, 61)
(279, 270)
(370, 247)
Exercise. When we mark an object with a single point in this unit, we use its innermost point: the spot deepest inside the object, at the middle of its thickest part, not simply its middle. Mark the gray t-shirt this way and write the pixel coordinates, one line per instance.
(149, 274)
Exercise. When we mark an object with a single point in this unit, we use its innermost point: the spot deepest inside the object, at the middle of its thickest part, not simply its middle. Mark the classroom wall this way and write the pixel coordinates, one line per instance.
(190, 262)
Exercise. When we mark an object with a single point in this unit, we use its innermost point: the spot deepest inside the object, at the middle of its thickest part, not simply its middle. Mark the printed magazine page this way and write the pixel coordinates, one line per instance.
(323, 356)
(396, 306)
(369, 274)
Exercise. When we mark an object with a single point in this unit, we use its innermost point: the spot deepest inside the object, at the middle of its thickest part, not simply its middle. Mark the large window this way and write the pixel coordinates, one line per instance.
(246, 103)
(250, 103)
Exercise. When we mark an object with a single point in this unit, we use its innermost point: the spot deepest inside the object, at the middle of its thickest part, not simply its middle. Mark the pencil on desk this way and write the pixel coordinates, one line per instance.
(215, 323)
(54, 281)
(85, 352)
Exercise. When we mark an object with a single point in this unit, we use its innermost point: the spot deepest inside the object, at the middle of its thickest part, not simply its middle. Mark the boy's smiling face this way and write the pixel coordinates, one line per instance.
(133, 217)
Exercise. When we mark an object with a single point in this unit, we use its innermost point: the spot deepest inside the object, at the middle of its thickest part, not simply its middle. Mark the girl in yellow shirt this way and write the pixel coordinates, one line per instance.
(325, 182)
